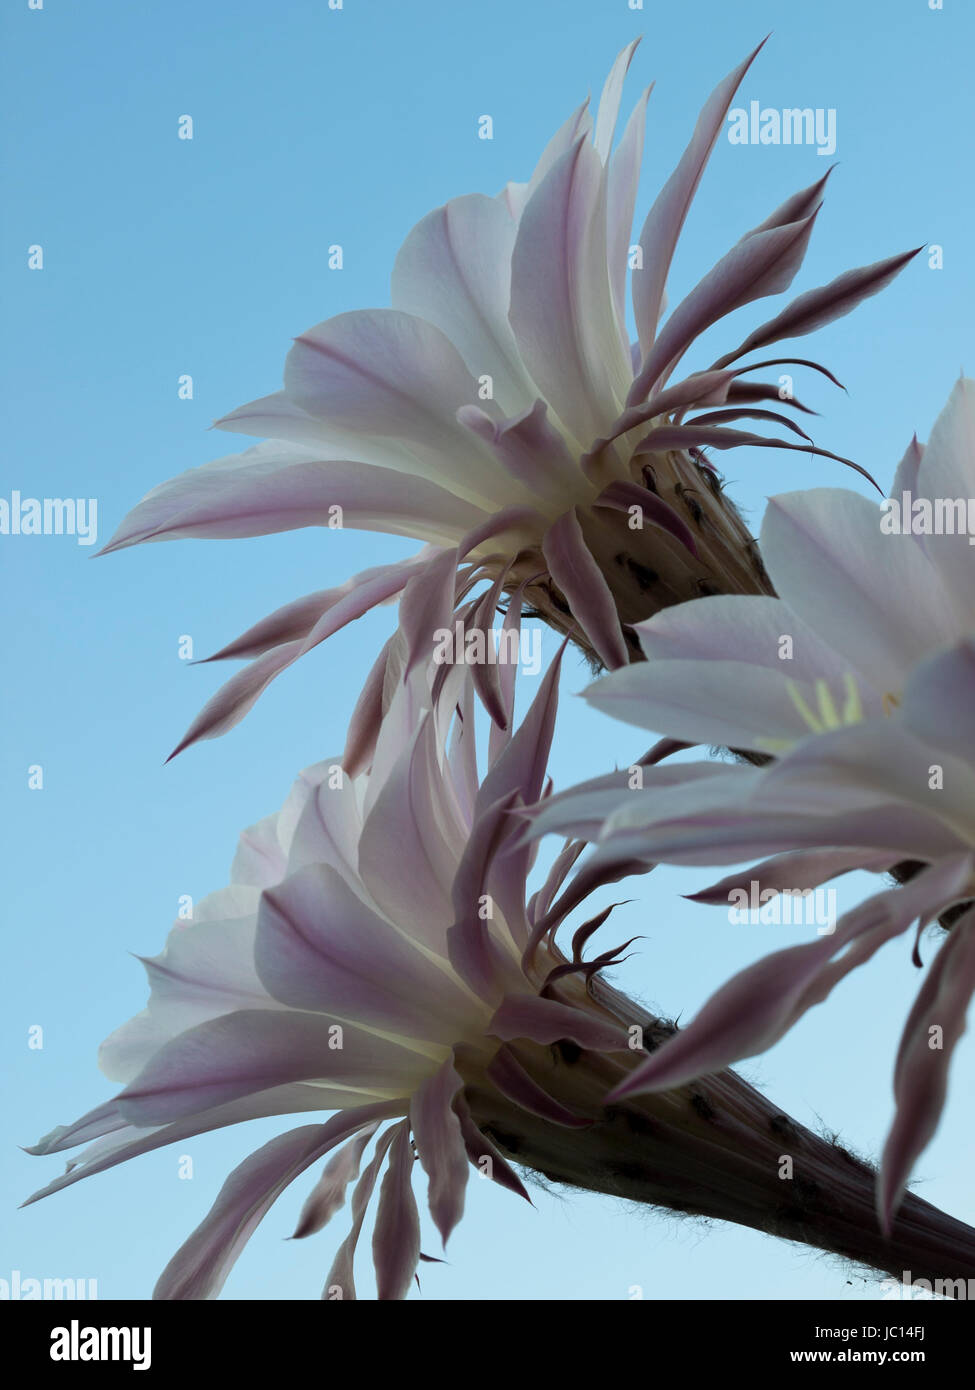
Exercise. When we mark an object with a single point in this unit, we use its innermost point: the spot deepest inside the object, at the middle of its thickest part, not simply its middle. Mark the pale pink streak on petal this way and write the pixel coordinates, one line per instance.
(360, 741)
(662, 228)
(454, 271)
(816, 308)
(580, 579)
(200, 1267)
(440, 1146)
(328, 1194)
(939, 700)
(561, 305)
(280, 487)
(396, 1239)
(806, 868)
(513, 1081)
(130, 1141)
(300, 617)
(921, 1072)
(340, 1282)
(483, 1154)
(761, 1003)
(319, 947)
(408, 850)
(530, 448)
(907, 476)
(621, 189)
(548, 1021)
(764, 263)
(383, 372)
(253, 1050)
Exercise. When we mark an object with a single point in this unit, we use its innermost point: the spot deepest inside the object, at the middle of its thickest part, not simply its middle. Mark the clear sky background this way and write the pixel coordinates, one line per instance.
(164, 257)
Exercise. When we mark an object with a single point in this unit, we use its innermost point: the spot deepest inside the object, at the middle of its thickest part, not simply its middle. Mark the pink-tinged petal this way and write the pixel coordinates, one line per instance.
(383, 372)
(363, 731)
(515, 196)
(483, 1154)
(749, 392)
(727, 837)
(621, 496)
(666, 218)
(347, 601)
(396, 1239)
(761, 1003)
(320, 948)
(934, 1027)
(486, 675)
(946, 474)
(880, 760)
(548, 1021)
(236, 697)
(797, 206)
(200, 1267)
(541, 901)
(224, 710)
(938, 702)
(698, 389)
(724, 417)
(274, 417)
(509, 1076)
(426, 608)
(581, 810)
(252, 1050)
(103, 1119)
(340, 1282)
(130, 1141)
(474, 953)
(721, 437)
(621, 189)
(326, 828)
(762, 264)
(590, 877)
(517, 775)
(907, 477)
(260, 858)
(830, 561)
(499, 735)
(824, 305)
(328, 1194)
(461, 764)
(737, 627)
(277, 418)
(521, 767)
(440, 1146)
(729, 703)
(609, 101)
(206, 970)
(408, 853)
(793, 873)
(281, 487)
(513, 526)
(529, 446)
(561, 306)
(580, 579)
(454, 271)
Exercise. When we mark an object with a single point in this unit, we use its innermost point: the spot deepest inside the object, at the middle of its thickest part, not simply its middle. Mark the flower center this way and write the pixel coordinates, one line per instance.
(826, 715)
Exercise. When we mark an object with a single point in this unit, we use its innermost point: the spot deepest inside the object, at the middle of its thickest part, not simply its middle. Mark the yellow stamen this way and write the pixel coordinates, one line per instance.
(825, 716)
(853, 709)
(805, 713)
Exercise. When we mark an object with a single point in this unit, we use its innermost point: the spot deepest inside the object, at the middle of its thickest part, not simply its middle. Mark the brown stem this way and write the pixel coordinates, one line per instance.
(717, 1148)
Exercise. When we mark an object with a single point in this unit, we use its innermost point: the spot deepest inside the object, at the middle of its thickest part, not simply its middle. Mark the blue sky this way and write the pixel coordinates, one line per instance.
(164, 257)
